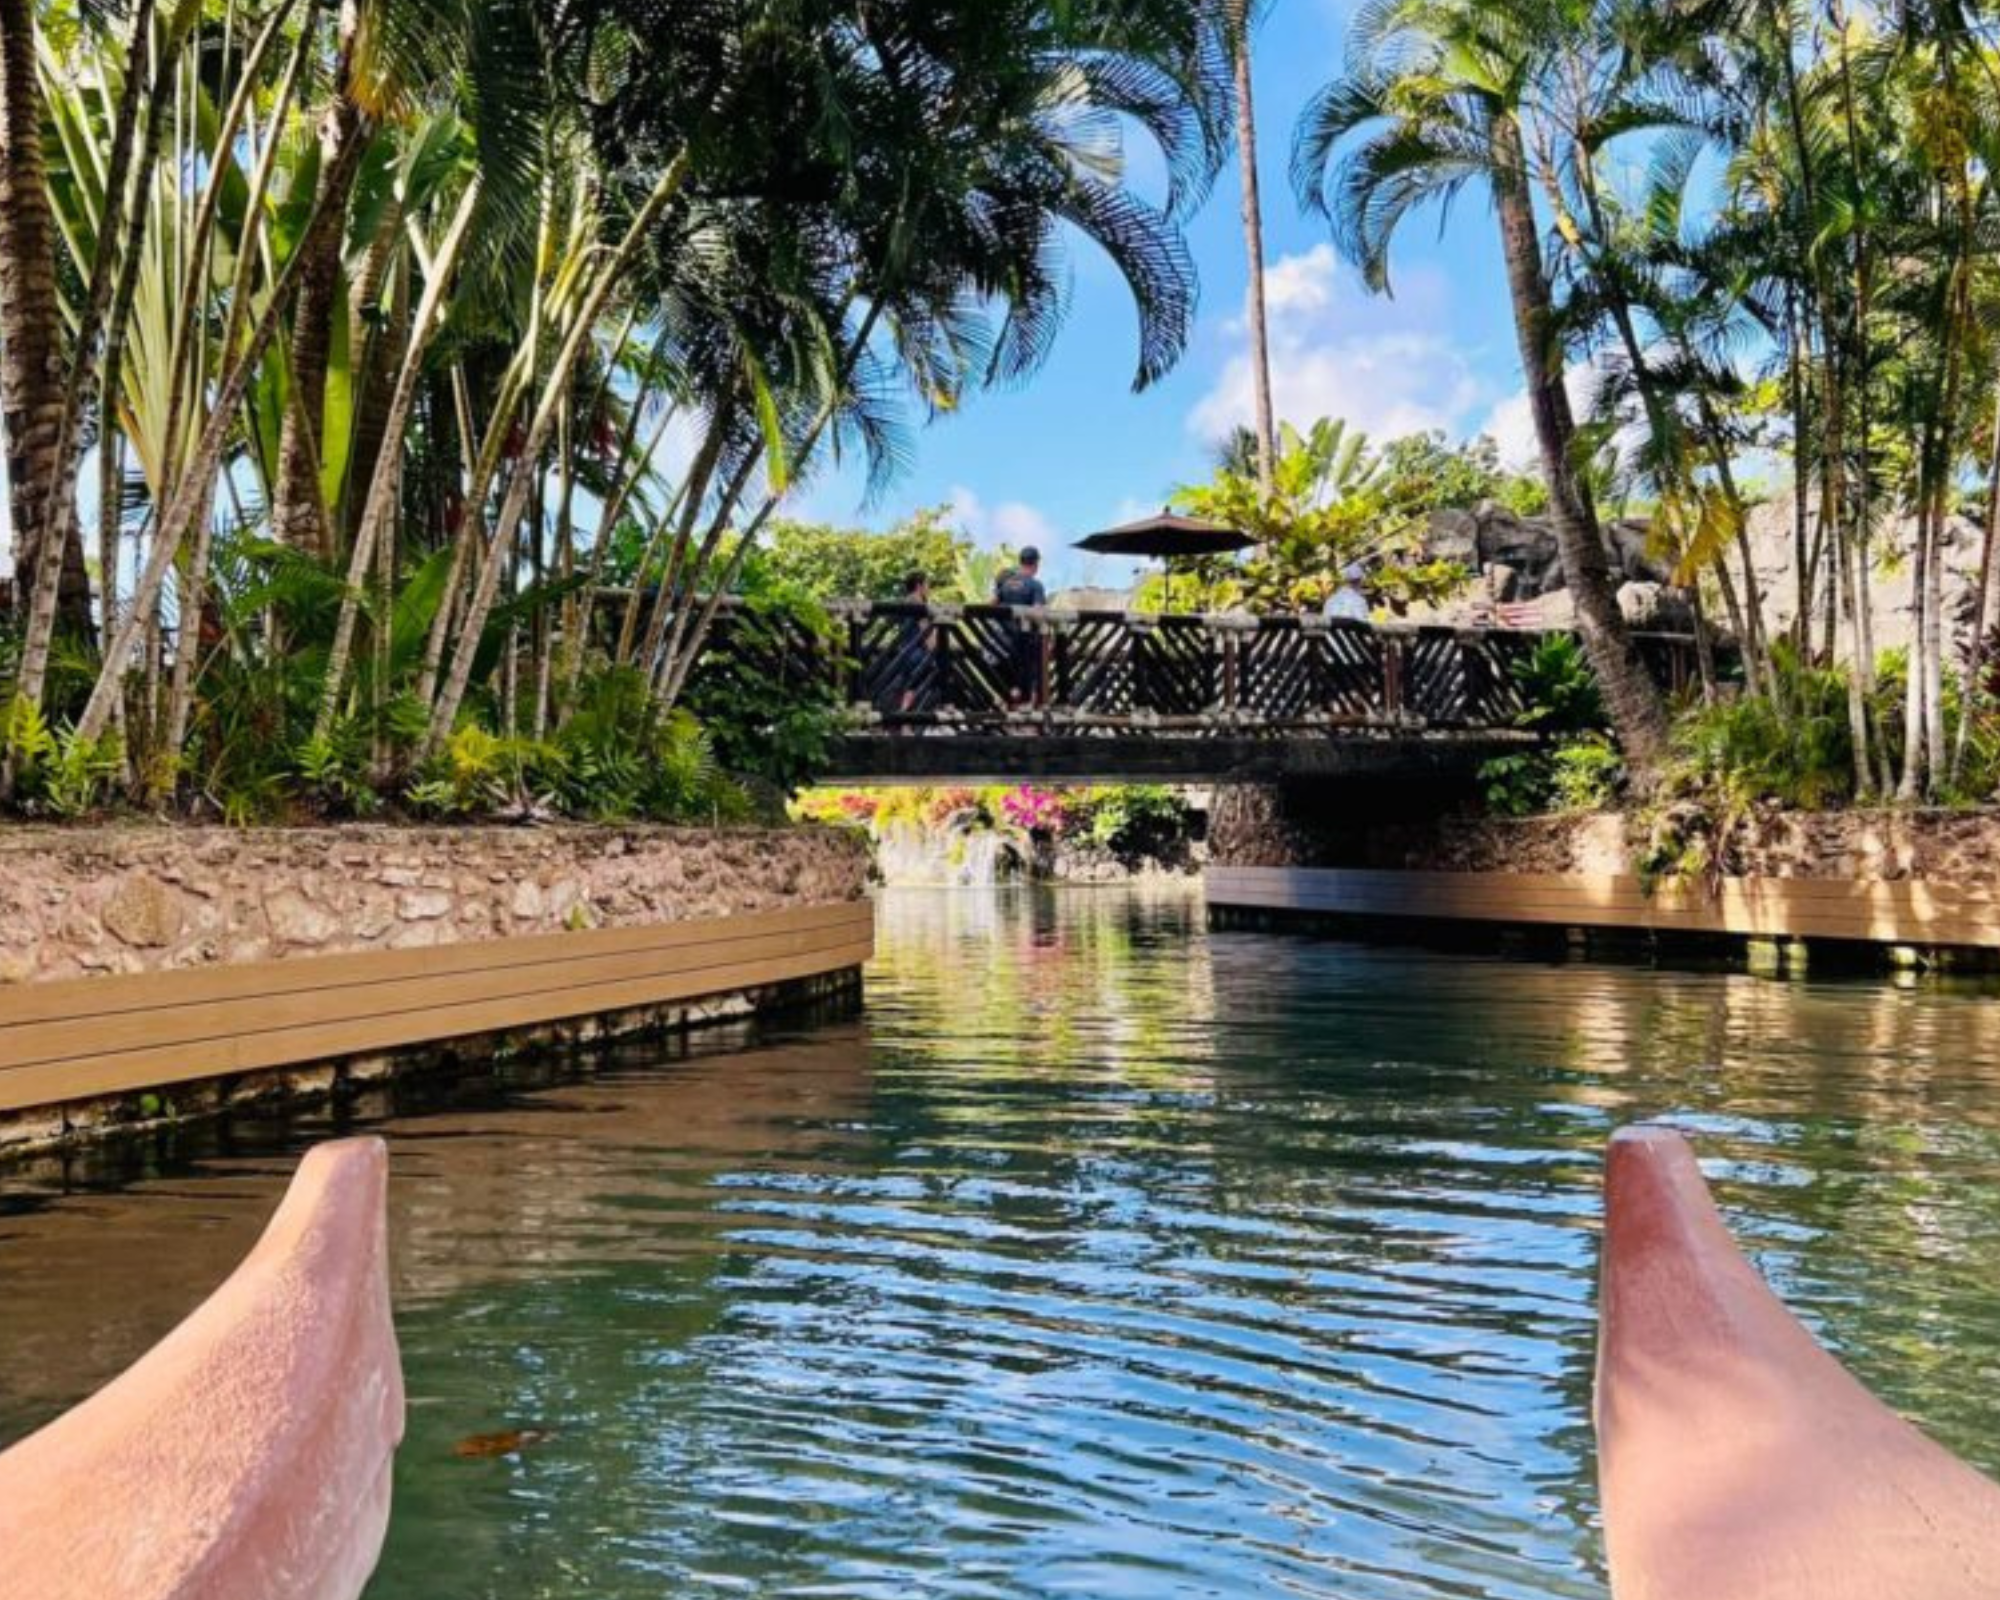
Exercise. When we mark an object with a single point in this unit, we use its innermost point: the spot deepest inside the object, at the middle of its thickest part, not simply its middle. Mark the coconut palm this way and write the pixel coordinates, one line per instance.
(423, 283)
(1439, 94)
(924, 250)
(1239, 20)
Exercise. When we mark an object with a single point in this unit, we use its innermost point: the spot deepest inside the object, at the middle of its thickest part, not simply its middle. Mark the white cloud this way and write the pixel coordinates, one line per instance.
(1013, 522)
(1511, 424)
(1385, 366)
(1301, 285)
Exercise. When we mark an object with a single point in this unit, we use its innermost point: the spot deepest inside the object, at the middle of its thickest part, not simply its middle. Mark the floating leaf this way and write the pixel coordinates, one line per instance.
(509, 1442)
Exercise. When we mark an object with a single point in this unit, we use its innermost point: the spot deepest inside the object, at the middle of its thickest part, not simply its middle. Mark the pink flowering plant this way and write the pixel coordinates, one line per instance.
(1035, 811)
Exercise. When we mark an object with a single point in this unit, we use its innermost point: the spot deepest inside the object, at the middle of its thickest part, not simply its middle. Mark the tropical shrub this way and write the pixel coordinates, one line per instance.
(1793, 746)
(829, 563)
(59, 772)
(1333, 501)
(617, 758)
(1515, 785)
(1560, 690)
(1585, 773)
(1133, 821)
(770, 707)
(1577, 768)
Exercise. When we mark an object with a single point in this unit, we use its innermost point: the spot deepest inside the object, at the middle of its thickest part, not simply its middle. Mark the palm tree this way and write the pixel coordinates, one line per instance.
(34, 345)
(299, 512)
(936, 226)
(816, 220)
(1239, 22)
(1435, 98)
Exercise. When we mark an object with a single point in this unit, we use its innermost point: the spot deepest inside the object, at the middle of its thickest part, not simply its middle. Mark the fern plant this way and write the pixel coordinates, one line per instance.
(333, 767)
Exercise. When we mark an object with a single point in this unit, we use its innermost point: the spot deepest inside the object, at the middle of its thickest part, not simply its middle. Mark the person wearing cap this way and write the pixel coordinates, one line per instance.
(1348, 603)
(1021, 585)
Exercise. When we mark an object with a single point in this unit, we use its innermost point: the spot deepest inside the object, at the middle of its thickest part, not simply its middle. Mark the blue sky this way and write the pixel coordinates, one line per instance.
(1074, 450)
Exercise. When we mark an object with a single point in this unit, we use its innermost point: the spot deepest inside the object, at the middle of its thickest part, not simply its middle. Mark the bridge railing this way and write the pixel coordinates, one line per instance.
(980, 667)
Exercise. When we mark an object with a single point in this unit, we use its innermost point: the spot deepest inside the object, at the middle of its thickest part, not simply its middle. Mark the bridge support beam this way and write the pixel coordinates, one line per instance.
(1400, 765)
(1321, 821)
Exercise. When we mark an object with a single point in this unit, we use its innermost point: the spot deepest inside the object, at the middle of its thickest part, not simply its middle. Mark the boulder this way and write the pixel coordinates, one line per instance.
(1655, 608)
(1626, 542)
(1453, 535)
(1527, 544)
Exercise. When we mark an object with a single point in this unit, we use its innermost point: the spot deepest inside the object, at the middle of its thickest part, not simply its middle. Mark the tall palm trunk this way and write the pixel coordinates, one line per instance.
(378, 331)
(1982, 608)
(299, 515)
(1637, 715)
(378, 510)
(1253, 250)
(33, 366)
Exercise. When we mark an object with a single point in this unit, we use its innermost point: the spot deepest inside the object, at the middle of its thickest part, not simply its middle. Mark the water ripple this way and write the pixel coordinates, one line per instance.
(1110, 1258)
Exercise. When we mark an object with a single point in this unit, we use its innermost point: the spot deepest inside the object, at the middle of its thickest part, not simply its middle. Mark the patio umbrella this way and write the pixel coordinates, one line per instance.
(1170, 537)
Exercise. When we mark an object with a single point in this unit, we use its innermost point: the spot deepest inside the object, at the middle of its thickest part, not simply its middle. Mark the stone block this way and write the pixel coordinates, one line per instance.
(298, 921)
(144, 912)
(423, 905)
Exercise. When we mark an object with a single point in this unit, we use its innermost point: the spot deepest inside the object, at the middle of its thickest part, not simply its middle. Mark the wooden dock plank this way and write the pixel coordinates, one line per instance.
(391, 999)
(34, 1002)
(1903, 912)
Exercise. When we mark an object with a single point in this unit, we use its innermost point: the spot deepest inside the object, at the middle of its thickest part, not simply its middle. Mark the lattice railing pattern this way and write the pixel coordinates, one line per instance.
(970, 667)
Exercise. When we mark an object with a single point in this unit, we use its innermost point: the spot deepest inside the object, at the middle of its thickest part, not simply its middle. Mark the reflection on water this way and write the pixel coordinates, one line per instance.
(1109, 1258)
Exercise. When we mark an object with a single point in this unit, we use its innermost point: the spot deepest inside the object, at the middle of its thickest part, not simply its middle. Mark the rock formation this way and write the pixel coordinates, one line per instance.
(1520, 577)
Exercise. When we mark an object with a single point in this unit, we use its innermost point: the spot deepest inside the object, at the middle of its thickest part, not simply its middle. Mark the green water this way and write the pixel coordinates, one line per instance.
(1106, 1257)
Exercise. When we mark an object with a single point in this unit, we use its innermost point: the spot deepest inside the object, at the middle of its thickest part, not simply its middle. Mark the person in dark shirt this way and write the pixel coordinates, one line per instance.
(1021, 585)
(915, 667)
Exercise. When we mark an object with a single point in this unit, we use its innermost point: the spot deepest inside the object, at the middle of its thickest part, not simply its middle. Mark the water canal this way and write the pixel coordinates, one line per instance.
(1106, 1257)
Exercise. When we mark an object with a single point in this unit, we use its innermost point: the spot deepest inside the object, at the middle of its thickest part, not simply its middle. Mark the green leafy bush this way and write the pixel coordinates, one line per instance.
(1586, 773)
(1793, 746)
(1578, 768)
(1561, 691)
(1132, 821)
(333, 767)
(769, 704)
(618, 758)
(56, 771)
(1515, 785)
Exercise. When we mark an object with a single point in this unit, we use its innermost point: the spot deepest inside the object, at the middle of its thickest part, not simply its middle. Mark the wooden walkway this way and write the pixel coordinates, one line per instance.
(86, 1037)
(1911, 912)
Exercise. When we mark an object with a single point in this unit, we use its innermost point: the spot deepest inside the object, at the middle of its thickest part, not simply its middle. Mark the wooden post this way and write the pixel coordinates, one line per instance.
(1058, 676)
(945, 634)
(1045, 640)
(848, 673)
(1391, 646)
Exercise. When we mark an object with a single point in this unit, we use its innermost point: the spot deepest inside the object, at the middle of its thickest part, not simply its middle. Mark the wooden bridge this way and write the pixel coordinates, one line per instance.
(992, 693)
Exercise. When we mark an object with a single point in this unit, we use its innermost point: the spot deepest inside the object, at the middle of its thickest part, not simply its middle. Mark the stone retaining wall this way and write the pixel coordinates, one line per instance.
(1271, 827)
(74, 902)
(90, 904)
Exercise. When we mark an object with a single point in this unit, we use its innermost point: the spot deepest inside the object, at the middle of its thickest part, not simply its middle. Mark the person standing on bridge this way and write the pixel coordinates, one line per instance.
(1348, 603)
(1020, 586)
(914, 668)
